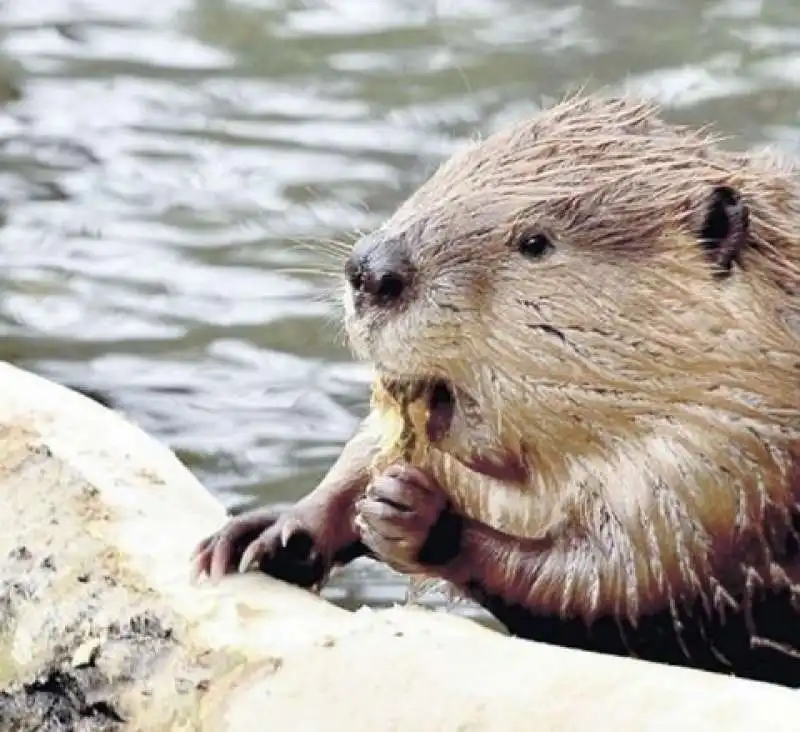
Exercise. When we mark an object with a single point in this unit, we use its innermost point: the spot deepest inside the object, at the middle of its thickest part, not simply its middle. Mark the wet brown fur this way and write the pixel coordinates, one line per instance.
(655, 402)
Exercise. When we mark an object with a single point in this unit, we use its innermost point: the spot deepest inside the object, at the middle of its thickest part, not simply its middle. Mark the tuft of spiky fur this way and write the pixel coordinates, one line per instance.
(657, 405)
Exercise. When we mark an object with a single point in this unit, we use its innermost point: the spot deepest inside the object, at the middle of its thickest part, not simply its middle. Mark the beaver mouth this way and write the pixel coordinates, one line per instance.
(441, 399)
(441, 402)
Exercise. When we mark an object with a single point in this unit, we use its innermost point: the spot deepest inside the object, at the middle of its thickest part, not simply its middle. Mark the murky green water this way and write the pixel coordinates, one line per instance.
(167, 161)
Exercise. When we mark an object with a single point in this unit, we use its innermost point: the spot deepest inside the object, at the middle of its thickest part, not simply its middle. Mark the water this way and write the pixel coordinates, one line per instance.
(165, 163)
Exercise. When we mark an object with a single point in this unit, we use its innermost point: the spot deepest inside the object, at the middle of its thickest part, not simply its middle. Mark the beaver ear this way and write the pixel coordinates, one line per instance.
(725, 228)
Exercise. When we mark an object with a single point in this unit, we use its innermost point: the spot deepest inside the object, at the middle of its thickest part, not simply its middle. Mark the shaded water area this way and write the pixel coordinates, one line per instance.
(170, 171)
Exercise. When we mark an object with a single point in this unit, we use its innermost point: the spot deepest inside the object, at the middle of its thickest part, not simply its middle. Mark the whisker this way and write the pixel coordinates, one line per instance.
(330, 294)
(327, 246)
(313, 271)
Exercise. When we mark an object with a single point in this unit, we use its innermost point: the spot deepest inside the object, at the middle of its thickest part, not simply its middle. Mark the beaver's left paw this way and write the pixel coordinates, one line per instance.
(406, 520)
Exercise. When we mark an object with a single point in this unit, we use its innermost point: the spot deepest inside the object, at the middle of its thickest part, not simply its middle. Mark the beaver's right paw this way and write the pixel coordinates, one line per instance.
(283, 544)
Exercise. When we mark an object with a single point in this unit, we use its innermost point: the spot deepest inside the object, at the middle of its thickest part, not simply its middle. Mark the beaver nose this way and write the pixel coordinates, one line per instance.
(379, 269)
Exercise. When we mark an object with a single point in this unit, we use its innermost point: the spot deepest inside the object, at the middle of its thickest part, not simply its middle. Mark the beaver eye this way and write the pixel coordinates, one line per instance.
(535, 246)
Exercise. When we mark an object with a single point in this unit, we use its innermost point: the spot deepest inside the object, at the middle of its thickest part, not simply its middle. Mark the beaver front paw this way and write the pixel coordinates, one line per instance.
(406, 520)
(298, 545)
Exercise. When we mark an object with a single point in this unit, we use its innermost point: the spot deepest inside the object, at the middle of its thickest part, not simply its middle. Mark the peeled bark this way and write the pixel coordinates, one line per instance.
(100, 628)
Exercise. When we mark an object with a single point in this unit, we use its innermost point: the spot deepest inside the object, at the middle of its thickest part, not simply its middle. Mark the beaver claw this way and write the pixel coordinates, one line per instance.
(293, 538)
(279, 543)
(405, 519)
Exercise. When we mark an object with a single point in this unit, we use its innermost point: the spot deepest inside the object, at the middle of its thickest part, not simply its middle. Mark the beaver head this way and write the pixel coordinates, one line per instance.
(584, 277)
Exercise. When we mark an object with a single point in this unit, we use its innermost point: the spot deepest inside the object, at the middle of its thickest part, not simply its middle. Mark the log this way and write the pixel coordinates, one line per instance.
(101, 628)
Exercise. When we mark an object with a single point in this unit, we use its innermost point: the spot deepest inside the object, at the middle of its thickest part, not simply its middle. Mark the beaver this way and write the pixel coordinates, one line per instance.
(596, 310)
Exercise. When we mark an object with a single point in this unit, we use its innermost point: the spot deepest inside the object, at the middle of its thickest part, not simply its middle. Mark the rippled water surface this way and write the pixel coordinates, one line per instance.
(170, 171)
